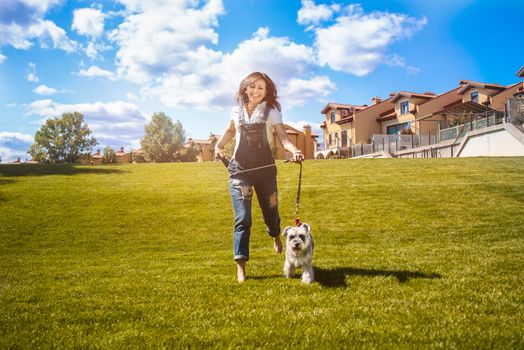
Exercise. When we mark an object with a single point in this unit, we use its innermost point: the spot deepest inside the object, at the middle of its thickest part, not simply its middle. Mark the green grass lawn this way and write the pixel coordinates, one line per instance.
(425, 253)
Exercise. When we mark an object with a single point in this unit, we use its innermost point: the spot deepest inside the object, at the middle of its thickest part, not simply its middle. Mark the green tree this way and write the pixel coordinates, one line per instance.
(109, 155)
(188, 154)
(162, 138)
(62, 139)
(138, 157)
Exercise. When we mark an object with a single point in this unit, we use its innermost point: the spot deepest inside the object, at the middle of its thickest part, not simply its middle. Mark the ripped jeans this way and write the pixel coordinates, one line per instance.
(241, 190)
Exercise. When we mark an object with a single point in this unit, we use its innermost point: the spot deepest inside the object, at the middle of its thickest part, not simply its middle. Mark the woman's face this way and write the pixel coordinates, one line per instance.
(256, 91)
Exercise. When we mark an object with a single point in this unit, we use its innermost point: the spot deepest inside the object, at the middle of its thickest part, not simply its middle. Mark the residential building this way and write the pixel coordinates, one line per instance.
(338, 127)
(362, 123)
(122, 156)
(474, 118)
(303, 140)
(96, 159)
(403, 117)
(207, 147)
(468, 102)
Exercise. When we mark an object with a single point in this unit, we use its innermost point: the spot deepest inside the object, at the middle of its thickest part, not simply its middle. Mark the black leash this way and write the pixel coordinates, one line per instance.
(297, 202)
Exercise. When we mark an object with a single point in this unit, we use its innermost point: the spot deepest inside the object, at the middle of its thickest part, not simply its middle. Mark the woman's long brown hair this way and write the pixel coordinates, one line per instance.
(271, 90)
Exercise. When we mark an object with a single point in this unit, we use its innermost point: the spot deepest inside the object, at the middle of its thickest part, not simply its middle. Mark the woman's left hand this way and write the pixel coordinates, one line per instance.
(297, 156)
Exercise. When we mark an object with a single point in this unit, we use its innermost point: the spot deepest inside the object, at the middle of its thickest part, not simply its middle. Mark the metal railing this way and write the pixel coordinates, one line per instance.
(457, 132)
(393, 143)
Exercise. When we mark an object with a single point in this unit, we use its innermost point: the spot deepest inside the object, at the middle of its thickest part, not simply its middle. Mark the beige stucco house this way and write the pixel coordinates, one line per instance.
(338, 126)
(403, 117)
(207, 147)
(420, 120)
(123, 156)
(304, 140)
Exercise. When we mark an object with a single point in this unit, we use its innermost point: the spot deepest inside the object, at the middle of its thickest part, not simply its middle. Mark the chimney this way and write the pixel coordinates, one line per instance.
(97, 152)
(375, 100)
(308, 142)
(391, 94)
(463, 82)
(122, 149)
(307, 129)
(429, 93)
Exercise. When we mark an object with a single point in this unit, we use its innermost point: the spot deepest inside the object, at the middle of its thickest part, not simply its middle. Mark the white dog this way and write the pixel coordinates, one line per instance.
(299, 252)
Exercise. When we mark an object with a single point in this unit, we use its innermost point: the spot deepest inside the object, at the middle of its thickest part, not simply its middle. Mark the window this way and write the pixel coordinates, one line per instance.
(404, 107)
(333, 117)
(475, 96)
(396, 129)
(344, 135)
(344, 112)
(330, 140)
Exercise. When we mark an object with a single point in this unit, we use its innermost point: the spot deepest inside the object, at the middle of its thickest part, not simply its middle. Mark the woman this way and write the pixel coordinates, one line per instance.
(252, 165)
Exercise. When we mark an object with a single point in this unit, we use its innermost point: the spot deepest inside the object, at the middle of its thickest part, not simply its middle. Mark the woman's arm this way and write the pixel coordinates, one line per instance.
(287, 144)
(227, 136)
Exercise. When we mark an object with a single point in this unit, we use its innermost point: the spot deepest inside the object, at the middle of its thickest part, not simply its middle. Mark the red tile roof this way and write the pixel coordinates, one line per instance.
(520, 72)
(332, 105)
(345, 120)
(387, 115)
(400, 94)
(478, 85)
(376, 104)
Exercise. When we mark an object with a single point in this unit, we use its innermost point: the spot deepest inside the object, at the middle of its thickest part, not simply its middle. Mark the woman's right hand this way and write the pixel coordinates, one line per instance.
(219, 152)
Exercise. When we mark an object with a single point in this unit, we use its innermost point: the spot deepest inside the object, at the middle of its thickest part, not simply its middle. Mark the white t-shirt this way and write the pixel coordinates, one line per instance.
(274, 118)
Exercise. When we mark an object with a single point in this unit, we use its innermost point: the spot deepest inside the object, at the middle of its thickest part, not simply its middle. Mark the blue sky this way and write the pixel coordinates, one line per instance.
(117, 62)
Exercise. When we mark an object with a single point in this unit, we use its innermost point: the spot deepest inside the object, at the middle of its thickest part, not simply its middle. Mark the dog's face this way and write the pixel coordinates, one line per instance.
(298, 239)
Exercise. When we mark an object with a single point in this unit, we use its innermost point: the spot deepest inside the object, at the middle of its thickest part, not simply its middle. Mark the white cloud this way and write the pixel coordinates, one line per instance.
(115, 123)
(310, 13)
(14, 145)
(299, 91)
(2, 58)
(156, 35)
(395, 60)
(95, 71)
(175, 61)
(212, 77)
(89, 22)
(50, 35)
(357, 42)
(23, 21)
(31, 75)
(45, 90)
(315, 127)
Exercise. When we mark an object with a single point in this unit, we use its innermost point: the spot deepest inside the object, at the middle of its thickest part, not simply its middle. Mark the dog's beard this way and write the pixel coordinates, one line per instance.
(298, 248)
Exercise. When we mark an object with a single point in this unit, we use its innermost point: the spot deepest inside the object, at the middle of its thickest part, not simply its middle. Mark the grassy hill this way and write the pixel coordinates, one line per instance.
(423, 253)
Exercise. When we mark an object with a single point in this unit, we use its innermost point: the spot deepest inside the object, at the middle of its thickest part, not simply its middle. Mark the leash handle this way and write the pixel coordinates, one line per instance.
(225, 160)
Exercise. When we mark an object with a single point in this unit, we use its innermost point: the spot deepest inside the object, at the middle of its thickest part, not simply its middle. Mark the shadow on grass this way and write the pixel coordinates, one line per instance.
(336, 278)
(260, 278)
(17, 170)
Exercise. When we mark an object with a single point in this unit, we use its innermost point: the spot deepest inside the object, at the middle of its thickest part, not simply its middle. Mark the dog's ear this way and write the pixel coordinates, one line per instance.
(306, 226)
(284, 233)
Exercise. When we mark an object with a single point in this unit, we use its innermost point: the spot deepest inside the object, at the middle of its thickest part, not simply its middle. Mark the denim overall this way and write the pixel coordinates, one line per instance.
(253, 151)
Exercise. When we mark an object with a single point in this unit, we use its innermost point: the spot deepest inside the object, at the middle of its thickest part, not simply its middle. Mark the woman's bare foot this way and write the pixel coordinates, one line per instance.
(277, 244)
(241, 270)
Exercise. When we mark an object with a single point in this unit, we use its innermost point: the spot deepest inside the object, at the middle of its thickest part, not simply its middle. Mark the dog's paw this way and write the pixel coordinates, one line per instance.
(308, 276)
(307, 280)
